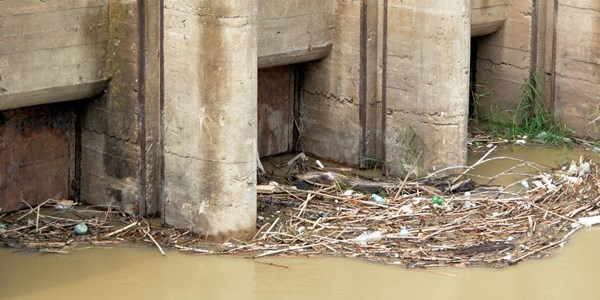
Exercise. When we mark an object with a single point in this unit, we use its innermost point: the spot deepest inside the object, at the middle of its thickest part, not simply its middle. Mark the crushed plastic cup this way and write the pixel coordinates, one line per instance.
(538, 184)
(507, 258)
(589, 221)
(404, 232)
(584, 168)
(407, 209)
(573, 170)
(541, 136)
(368, 237)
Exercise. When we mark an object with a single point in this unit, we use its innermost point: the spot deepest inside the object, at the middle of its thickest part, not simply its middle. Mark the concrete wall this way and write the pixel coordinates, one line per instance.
(575, 88)
(51, 51)
(555, 42)
(330, 116)
(504, 62)
(120, 130)
(66, 50)
(427, 84)
(210, 123)
(288, 33)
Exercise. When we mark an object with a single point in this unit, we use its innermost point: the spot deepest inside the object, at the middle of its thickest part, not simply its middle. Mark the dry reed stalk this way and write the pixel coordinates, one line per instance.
(133, 224)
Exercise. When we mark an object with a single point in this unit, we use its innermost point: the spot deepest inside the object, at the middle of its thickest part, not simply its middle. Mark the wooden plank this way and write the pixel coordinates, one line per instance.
(275, 110)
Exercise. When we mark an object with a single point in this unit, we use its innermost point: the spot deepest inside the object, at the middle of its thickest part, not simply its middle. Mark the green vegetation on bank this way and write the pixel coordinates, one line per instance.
(531, 118)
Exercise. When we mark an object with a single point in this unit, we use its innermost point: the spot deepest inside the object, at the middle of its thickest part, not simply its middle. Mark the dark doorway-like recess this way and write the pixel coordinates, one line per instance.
(275, 110)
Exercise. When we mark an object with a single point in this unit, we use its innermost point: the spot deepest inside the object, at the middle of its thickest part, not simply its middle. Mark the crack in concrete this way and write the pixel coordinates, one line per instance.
(96, 131)
(503, 64)
(567, 77)
(440, 124)
(391, 111)
(329, 95)
(579, 8)
(204, 159)
(204, 11)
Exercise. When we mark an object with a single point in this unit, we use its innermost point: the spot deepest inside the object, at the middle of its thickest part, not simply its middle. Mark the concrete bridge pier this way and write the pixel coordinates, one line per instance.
(427, 86)
(209, 115)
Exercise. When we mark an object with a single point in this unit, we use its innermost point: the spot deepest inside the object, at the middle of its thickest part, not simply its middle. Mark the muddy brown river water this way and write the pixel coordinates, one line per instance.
(142, 273)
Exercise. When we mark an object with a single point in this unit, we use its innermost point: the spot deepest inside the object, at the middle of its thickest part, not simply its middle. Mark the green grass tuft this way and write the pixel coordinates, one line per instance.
(530, 118)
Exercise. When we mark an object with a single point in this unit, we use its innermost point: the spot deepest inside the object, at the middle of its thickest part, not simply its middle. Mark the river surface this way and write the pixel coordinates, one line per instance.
(142, 273)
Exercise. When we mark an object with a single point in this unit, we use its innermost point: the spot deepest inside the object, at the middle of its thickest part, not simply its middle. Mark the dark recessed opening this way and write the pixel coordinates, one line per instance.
(473, 77)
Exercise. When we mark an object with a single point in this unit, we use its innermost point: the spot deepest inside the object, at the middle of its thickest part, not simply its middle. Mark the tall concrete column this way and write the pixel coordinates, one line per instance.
(209, 115)
(427, 84)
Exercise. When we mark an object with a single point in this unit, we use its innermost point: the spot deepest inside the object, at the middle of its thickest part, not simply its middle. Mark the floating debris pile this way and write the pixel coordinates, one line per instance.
(426, 223)
(420, 224)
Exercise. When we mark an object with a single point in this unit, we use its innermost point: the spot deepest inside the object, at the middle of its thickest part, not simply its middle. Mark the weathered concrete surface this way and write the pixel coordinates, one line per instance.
(330, 106)
(293, 31)
(37, 155)
(504, 62)
(561, 51)
(427, 86)
(488, 16)
(576, 90)
(51, 51)
(275, 110)
(120, 130)
(210, 123)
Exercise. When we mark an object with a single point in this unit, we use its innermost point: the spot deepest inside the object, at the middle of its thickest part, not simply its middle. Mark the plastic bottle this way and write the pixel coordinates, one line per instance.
(319, 164)
(378, 198)
(468, 202)
(80, 228)
(437, 200)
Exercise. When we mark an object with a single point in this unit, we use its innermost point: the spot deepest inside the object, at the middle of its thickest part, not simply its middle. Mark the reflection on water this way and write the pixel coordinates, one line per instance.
(139, 273)
(549, 157)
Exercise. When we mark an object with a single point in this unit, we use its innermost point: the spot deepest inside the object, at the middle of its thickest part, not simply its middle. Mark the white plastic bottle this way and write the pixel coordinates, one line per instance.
(468, 203)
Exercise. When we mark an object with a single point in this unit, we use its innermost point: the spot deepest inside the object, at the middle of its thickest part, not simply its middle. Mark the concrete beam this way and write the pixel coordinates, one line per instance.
(487, 16)
(210, 122)
(51, 51)
(293, 31)
(294, 56)
(51, 94)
